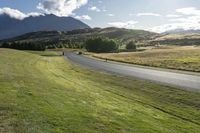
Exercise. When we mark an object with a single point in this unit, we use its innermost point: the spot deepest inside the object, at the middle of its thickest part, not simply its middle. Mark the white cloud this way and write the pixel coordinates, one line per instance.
(94, 8)
(190, 21)
(148, 14)
(173, 16)
(83, 17)
(110, 15)
(174, 26)
(104, 10)
(188, 11)
(100, 1)
(14, 13)
(61, 7)
(128, 24)
(34, 14)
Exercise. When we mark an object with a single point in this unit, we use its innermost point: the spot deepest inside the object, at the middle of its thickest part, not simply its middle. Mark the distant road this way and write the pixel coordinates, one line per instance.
(163, 77)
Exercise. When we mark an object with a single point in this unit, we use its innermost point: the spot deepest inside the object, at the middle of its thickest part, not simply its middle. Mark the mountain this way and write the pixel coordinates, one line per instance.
(11, 27)
(181, 31)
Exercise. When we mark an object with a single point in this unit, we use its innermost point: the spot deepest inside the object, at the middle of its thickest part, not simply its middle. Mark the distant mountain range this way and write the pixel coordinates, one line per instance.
(11, 27)
(181, 31)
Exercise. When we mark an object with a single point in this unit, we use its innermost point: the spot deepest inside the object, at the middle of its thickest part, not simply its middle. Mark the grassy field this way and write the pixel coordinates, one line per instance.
(49, 94)
(180, 58)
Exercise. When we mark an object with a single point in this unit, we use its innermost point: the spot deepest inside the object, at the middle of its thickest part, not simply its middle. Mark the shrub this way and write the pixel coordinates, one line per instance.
(131, 46)
(101, 45)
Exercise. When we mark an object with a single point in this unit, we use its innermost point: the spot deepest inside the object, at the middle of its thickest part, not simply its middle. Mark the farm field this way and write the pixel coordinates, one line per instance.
(44, 92)
(181, 58)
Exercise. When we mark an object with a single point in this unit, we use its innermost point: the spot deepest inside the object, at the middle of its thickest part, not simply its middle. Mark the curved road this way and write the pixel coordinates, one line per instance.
(163, 77)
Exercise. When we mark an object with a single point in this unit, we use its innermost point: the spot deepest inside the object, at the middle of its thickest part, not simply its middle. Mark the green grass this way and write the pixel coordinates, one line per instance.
(46, 53)
(179, 58)
(49, 94)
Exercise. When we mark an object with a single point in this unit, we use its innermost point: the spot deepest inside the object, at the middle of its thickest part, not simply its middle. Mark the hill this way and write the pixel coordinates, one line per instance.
(181, 31)
(77, 37)
(49, 94)
(11, 27)
(178, 39)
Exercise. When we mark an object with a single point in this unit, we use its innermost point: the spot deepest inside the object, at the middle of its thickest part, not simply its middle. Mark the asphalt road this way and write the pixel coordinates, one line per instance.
(164, 77)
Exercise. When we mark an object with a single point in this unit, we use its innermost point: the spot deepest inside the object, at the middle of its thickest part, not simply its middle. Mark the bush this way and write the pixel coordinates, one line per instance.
(131, 46)
(101, 45)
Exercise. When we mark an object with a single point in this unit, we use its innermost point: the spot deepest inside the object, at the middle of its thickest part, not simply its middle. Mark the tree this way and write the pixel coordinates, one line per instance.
(24, 46)
(131, 46)
(101, 45)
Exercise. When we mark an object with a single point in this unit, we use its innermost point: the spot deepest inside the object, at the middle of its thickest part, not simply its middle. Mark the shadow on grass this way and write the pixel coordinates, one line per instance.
(51, 55)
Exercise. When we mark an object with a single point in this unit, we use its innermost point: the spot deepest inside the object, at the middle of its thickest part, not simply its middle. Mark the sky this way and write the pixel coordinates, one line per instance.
(153, 15)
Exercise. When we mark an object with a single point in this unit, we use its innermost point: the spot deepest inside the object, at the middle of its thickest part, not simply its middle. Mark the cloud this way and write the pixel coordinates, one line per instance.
(61, 7)
(83, 17)
(188, 11)
(104, 10)
(94, 8)
(110, 15)
(148, 14)
(34, 14)
(190, 21)
(128, 24)
(14, 13)
(173, 16)
(100, 1)
(174, 26)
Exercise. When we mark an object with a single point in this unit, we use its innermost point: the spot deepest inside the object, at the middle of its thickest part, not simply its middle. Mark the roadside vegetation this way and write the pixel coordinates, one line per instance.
(131, 46)
(49, 94)
(180, 58)
(101, 45)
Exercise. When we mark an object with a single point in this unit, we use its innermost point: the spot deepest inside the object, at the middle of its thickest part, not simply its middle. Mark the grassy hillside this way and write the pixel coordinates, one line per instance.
(77, 37)
(180, 36)
(178, 39)
(49, 94)
(181, 58)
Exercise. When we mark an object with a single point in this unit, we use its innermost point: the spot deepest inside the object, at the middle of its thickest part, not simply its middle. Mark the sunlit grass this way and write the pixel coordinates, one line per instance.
(181, 58)
(49, 94)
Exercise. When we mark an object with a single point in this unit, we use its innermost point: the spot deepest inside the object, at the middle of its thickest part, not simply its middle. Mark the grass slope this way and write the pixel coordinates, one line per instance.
(79, 36)
(49, 94)
(187, 39)
(180, 58)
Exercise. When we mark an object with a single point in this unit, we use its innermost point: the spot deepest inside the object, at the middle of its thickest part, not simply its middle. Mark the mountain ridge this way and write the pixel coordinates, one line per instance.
(11, 27)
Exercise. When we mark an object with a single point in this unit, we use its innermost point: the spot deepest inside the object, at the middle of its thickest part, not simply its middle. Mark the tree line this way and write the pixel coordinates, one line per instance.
(96, 44)
(24, 46)
(106, 45)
